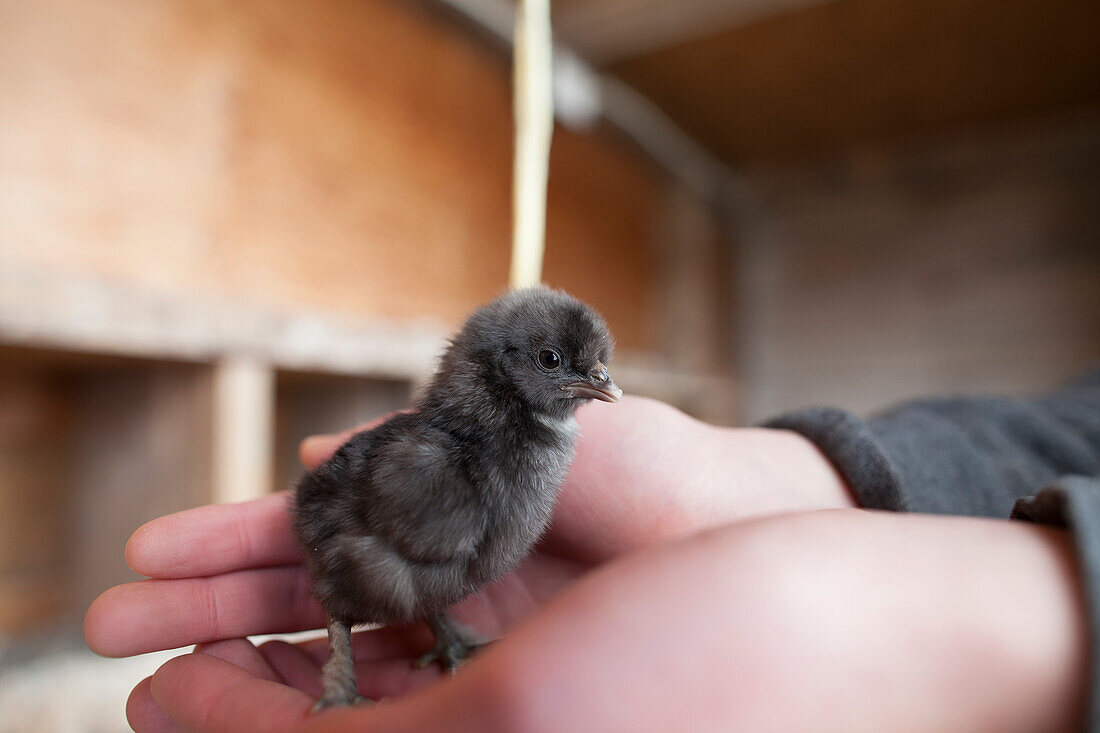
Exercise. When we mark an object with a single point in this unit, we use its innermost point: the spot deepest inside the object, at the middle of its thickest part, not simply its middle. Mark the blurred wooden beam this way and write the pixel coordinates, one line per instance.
(582, 96)
(244, 423)
(612, 30)
(45, 309)
(828, 76)
(35, 423)
(41, 307)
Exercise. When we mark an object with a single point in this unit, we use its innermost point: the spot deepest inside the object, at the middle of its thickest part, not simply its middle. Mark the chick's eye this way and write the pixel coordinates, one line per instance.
(549, 359)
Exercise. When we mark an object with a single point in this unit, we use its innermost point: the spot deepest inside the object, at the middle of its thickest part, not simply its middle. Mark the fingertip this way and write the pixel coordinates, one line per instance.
(215, 538)
(169, 678)
(131, 619)
(158, 545)
(242, 653)
(99, 624)
(134, 551)
(142, 712)
(316, 449)
(294, 666)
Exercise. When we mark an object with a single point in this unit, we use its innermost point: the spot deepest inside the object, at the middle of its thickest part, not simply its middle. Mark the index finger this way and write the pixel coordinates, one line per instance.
(214, 539)
(222, 538)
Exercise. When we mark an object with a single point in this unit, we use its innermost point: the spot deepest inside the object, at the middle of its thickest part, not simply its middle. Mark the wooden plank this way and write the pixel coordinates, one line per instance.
(243, 430)
(965, 266)
(607, 31)
(45, 308)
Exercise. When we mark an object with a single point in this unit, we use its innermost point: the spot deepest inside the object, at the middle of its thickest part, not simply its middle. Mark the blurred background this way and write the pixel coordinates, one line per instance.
(224, 226)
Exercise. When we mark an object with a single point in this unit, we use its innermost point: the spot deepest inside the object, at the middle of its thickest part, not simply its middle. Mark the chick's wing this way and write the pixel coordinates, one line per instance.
(421, 502)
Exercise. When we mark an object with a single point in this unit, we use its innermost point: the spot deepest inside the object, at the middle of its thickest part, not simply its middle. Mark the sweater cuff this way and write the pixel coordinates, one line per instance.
(853, 450)
(1073, 503)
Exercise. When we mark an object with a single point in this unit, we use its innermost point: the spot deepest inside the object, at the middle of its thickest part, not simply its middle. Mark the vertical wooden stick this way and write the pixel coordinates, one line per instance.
(244, 411)
(534, 113)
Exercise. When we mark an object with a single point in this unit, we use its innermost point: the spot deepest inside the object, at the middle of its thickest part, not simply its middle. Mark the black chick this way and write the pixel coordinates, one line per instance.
(411, 517)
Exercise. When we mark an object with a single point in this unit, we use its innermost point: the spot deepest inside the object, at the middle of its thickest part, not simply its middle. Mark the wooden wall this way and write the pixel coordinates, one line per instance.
(35, 423)
(140, 447)
(310, 404)
(969, 263)
(352, 156)
(241, 201)
(90, 448)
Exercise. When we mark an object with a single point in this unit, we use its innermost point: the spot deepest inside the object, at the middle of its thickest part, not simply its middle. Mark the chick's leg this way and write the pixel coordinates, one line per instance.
(338, 675)
(454, 643)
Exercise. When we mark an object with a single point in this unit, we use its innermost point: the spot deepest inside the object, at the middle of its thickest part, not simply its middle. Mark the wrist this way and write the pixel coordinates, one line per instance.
(1023, 630)
(921, 622)
(965, 624)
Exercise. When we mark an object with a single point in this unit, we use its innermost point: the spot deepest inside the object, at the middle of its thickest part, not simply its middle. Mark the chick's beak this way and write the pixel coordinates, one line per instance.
(599, 386)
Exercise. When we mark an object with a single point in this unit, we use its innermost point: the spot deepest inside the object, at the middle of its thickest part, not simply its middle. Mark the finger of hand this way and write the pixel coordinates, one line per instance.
(242, 653)
(144, 715)
(215, 539)
(165, 614)
(394, 678)
(296, 668)
(203, 693)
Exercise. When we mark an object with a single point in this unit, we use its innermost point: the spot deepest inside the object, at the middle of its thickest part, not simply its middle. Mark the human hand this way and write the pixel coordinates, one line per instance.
(644, 473)
(845, 621)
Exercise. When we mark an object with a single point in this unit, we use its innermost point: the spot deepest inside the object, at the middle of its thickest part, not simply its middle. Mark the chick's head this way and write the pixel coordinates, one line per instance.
(547, 346)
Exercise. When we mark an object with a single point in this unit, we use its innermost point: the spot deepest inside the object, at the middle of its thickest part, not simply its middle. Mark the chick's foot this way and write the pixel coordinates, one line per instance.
(454, 644)
(337, 701)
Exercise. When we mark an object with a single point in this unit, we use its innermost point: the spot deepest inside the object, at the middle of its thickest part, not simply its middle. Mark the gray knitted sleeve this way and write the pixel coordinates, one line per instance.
(1028, 459)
